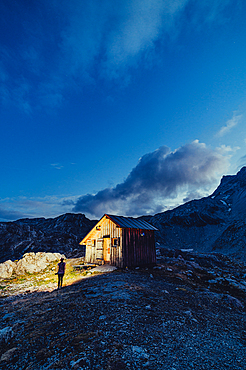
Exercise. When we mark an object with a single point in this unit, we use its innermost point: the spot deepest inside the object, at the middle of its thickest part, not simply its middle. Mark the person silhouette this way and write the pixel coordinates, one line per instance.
(61, 268)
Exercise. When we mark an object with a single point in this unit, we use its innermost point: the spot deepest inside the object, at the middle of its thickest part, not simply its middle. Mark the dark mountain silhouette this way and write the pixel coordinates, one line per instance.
(61, 234)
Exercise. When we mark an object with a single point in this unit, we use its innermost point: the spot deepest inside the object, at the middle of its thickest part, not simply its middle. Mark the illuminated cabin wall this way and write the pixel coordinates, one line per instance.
(105, 244)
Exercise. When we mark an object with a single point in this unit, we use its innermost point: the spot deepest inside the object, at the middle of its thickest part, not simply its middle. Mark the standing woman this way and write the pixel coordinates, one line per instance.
(60, 272)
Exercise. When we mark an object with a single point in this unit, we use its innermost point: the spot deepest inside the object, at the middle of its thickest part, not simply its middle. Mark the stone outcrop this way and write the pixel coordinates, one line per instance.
(30, 263)
(6, 269)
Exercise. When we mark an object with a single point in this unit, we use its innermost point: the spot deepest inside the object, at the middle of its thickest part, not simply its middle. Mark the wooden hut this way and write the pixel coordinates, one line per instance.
(120, 241)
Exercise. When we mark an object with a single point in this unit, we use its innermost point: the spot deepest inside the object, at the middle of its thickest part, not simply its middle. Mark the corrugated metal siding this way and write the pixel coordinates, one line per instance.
(129, 222)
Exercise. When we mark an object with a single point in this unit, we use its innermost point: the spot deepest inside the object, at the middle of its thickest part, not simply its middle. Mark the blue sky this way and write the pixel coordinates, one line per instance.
(129, 107)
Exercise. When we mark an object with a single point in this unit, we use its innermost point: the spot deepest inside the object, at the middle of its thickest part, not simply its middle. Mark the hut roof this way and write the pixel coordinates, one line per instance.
(123, 222)
(130, 222)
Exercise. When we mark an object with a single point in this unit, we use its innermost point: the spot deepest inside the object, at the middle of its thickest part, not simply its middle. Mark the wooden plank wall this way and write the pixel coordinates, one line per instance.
(96, 242)
(138, 247)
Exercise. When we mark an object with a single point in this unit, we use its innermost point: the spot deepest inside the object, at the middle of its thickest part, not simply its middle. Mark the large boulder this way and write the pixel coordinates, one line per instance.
(6, 269)
(31, 262)
(49, 257)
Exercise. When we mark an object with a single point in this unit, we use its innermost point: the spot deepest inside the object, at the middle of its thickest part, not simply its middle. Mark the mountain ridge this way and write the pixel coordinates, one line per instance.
(213, 223)
(60, 234)
(210, 224)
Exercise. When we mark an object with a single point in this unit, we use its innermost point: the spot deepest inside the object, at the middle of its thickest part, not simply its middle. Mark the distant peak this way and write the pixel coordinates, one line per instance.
(242, 172)
(241, 175)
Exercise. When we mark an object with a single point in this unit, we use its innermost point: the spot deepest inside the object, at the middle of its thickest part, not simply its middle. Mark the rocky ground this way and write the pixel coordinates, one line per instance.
(186, 313)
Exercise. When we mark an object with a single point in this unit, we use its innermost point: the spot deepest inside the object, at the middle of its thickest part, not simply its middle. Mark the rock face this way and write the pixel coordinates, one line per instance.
(214, 223)
(61, 234)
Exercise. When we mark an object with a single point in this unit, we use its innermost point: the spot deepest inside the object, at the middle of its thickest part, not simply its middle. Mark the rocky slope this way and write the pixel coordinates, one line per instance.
(214, 223)
(61, 234)
(186, 313)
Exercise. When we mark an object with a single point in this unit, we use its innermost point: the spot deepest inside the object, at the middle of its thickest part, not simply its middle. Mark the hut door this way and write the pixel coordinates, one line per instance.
(106, 249)
(99, 251)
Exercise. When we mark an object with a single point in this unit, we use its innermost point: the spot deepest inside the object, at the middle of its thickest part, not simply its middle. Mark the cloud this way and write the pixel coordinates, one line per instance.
(193, 195)
(57, 166)
(158, 177)
(112, 37)
(107, 39)
(161, 180)
(230, 124)
(10, 215)
(141, 25)
(23, 207)
(61, 45)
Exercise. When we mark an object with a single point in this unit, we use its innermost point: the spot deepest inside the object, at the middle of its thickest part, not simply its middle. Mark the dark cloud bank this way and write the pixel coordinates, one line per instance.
(158, 176)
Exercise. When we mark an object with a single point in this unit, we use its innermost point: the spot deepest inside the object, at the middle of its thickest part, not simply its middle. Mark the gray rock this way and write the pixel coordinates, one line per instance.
(139, 352)
(8, 355)
(6, 334)
(232, 301)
